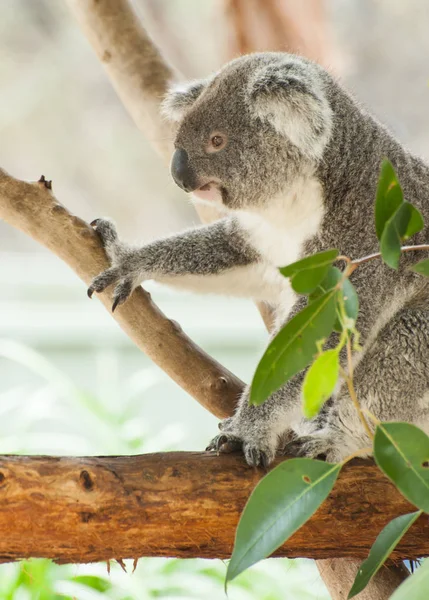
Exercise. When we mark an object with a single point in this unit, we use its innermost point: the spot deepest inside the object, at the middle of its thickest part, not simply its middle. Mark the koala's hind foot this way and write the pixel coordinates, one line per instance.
(258, 450)
(311, 446)
(123, 272)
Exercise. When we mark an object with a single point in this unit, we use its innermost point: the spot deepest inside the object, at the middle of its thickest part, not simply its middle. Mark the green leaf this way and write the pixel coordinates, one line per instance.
(416, 586)
(421, 267)
(388, 198)
(306, 281)
(413, 219)
(308, 273)
(401, 450)
(332, 279)
(383, 546)
(404, 223)
(279, 505)
(351, 300)
(320, 381)
(320, 259)
(390, 245)
(294, 347)
(350, 297)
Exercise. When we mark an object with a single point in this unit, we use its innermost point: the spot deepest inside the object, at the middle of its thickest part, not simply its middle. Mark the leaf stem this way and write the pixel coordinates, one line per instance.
(352, 391)
(367, 450)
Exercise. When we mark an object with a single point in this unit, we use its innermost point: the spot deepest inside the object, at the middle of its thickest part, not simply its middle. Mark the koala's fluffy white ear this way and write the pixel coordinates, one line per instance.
(293, 101)
(180, 98)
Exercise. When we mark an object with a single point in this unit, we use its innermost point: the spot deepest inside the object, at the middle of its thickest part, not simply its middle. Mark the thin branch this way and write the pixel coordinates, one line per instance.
(32, 208)
(183, 504)
(364, 259)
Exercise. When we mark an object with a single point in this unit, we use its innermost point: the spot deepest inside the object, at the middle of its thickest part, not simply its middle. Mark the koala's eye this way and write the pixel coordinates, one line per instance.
(217, 142)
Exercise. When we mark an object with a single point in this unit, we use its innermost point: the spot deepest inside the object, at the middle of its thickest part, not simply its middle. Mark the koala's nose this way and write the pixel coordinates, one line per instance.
(182, 172)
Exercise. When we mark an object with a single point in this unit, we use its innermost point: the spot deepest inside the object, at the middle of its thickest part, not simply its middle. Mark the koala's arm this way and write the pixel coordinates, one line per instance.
(211, 258)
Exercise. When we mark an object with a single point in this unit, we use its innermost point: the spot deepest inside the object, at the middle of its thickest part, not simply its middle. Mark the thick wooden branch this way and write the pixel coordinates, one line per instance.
(177, 504)
(32, 208)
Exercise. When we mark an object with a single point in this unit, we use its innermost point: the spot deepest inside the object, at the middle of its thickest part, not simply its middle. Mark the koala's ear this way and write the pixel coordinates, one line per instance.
(293, 101)
(180, 98)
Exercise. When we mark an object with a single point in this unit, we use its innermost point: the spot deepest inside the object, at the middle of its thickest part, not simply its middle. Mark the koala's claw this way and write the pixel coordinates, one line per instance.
(102, 281)
(225, 443)
(118, 274)
(106, 229)
(122, 293)
(255, 457)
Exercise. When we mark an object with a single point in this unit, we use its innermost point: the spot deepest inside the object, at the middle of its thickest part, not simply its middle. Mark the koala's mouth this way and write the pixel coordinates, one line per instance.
(211, 191)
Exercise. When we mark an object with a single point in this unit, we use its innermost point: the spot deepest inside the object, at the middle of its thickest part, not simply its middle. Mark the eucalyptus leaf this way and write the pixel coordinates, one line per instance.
(307, 273)
(320, 259)
(294, 347)
(320, 381)
(421, 267)
(279, 505)
(383, 546)
(388, 198)
(404, 223)
(304, 282)
(350, 297)
(331, 280)
(390, 245)
(401, 450)
(414, 587)
(395, 220)
(413, 219)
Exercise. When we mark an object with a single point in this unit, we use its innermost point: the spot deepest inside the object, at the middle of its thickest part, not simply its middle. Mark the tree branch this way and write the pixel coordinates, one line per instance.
(32, 208)
(177, 504)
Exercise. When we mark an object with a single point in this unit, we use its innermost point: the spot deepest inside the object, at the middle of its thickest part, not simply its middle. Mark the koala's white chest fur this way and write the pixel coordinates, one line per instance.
(279, 230)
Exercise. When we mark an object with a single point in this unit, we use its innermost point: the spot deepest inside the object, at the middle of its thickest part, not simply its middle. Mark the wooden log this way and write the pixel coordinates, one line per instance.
(179, 504)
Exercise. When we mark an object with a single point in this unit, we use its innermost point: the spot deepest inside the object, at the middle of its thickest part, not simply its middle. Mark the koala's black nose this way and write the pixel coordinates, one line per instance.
(182, 172)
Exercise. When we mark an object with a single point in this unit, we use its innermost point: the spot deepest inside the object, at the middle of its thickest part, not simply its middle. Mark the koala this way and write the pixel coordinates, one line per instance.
(291, 161)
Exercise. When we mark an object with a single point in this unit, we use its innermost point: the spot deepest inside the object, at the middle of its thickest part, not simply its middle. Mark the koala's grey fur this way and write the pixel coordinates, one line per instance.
(298, 175)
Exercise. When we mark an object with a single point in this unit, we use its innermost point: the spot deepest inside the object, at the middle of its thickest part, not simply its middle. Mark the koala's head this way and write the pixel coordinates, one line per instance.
(246, 133)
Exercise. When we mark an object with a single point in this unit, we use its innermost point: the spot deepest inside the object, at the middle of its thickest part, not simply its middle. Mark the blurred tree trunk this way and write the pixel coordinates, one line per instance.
(279, 25)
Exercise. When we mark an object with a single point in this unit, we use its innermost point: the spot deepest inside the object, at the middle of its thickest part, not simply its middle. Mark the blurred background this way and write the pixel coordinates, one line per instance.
(70, 381)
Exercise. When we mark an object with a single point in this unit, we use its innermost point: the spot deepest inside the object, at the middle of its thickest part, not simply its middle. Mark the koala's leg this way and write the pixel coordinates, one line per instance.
(211, 258)
(260, 430)
(391, 380)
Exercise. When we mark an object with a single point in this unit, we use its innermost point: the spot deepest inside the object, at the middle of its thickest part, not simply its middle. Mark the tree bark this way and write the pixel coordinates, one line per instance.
(179, 504)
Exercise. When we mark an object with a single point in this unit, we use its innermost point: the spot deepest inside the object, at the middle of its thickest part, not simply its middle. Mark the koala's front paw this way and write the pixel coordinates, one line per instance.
(123, 271)
(259, 451)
